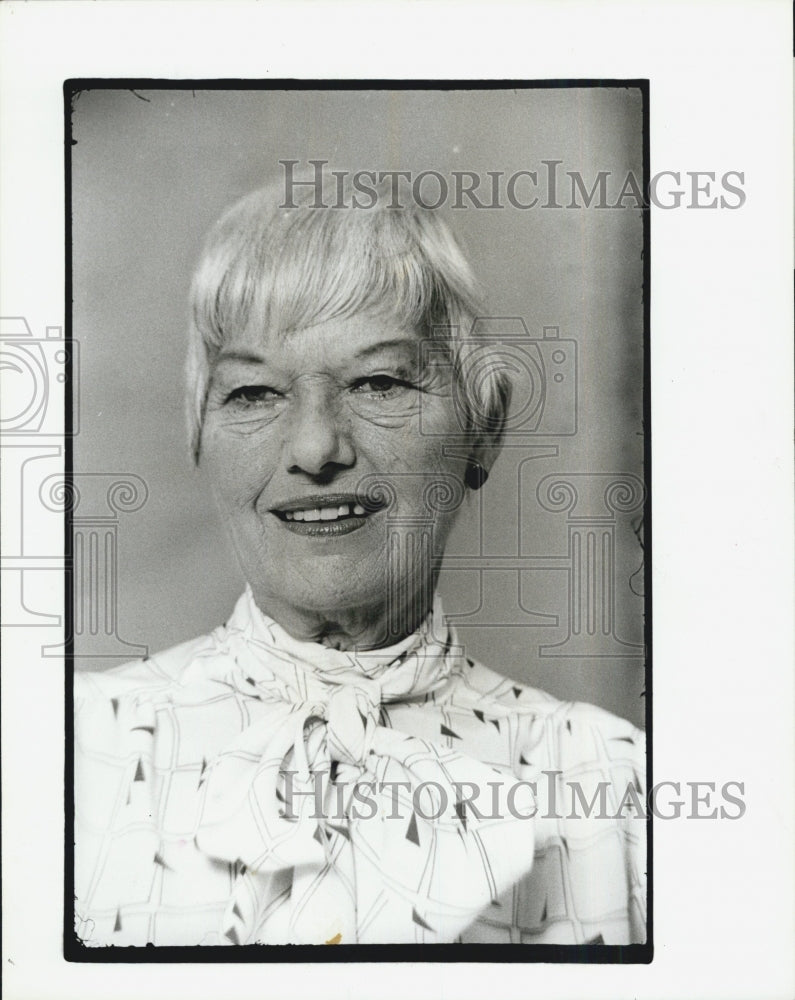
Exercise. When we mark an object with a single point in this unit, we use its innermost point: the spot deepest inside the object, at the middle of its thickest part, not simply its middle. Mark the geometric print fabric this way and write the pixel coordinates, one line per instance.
(250, 788)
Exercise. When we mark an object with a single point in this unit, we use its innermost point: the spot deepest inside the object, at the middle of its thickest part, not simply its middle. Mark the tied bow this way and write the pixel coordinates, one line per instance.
(342, 829)
(351, 721)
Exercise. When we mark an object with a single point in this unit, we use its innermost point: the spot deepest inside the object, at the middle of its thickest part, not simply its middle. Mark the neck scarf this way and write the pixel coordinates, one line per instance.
(340, 829)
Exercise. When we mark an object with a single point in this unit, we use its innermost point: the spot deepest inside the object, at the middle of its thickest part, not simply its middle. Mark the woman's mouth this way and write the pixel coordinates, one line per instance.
(325, 513)
(326, 516)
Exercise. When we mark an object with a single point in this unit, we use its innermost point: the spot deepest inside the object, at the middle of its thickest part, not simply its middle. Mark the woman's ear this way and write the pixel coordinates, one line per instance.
(488, 427)
(487, 445)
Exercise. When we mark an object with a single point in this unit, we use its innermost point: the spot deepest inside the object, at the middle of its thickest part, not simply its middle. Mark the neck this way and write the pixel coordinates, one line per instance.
(345, 629)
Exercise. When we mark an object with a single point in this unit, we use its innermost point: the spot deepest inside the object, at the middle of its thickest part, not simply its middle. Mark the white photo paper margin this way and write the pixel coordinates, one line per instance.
(721, 342)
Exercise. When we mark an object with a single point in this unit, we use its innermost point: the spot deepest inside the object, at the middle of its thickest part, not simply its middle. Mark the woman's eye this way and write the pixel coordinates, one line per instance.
(380, 385)
(252, 395)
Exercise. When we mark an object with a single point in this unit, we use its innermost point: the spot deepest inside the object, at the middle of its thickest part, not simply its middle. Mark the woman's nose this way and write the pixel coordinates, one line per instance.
(318, 439)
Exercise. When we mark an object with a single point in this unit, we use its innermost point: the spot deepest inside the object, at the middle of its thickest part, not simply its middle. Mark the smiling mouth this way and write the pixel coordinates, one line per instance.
(335, 513)
(332, 515)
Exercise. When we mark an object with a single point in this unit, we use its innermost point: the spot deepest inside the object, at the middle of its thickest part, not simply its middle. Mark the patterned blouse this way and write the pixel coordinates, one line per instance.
(248, 787)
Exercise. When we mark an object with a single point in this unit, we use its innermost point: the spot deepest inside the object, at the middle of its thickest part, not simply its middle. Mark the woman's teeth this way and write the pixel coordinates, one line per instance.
(324, 513)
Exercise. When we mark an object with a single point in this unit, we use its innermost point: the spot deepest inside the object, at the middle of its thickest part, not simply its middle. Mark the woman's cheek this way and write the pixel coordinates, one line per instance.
(405, 445)
(237, 475)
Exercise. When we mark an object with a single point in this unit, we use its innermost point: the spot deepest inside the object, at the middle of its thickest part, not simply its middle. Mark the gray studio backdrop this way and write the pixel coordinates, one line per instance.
(544, 579)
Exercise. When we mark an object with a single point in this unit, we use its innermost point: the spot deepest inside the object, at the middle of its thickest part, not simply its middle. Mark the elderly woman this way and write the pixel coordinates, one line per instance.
(330, 766)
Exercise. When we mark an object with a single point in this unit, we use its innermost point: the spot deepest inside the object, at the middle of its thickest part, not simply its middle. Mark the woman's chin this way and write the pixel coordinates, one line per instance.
(336, 590)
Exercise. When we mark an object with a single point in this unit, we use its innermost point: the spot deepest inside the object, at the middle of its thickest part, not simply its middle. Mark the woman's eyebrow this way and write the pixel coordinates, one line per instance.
(396, 344)
(388, 345)
(244, 356)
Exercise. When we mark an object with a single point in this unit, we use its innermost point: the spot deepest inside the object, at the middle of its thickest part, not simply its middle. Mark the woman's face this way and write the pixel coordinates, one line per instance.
(298, 428)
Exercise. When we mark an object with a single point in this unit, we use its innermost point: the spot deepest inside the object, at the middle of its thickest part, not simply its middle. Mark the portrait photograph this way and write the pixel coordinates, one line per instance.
(359, 519)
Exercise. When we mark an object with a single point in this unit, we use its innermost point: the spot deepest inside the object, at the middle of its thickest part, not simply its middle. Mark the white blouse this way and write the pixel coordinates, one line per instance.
(250, 788)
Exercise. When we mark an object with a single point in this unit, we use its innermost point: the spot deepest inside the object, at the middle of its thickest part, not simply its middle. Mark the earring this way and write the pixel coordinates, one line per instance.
(475, 475)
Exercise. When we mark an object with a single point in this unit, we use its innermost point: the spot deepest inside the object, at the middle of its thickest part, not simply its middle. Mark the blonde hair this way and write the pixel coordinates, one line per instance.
(294, 267)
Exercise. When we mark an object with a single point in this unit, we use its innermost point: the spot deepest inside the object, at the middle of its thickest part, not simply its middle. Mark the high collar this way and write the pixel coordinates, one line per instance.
(419, 664)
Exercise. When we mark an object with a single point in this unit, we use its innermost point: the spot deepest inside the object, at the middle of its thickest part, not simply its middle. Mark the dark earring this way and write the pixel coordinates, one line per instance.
(475, 475)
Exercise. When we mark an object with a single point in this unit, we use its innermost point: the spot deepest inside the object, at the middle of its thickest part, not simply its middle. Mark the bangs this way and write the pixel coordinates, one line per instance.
(285, 269)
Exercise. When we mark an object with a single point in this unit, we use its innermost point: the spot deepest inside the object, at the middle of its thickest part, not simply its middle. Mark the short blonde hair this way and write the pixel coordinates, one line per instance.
(297, 266)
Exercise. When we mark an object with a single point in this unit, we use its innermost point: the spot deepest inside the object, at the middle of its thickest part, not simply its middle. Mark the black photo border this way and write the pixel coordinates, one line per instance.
(74, 950)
